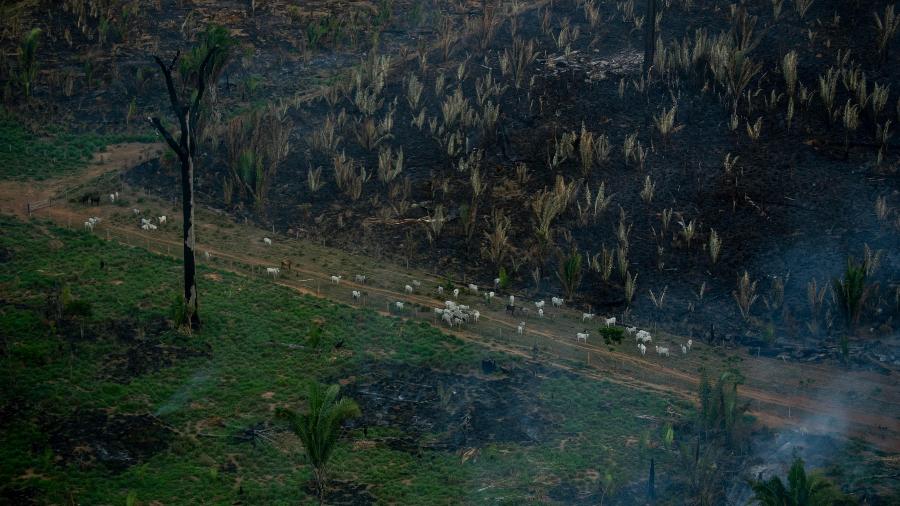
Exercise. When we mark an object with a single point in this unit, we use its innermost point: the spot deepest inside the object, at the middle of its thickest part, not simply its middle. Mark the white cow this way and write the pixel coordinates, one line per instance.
(631, 330)
(582, 336)
(496, 282)
(416, 283)
(473, 288)
(206, 255)
(356, 294)
(398, 305)
(440, 290)
(408, 289)
(336, 280)
(475, 315)
(136, 211)
(540, 312)
(520, 329)
(643, 336)
(557, 301)
(89, 225)
(162, 220)
(642, 349)
(273, 271)
(512, 300)
(455, 293)
(684, 349)
(267, 241)
(689, 344)
(359, 278)
(610, 321)
(539, 304)
(112, 197)
(587, 316)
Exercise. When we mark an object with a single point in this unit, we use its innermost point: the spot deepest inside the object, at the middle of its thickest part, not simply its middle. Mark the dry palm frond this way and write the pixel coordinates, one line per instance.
(815, 299)
(389, 165)
(602, 148)
(730, 163)
(325, 139)
(714, 246)
(314, 179)
(789, 69)
(745, 295)
(563, 149)
(665, 218)
(801, 6)
(658, 300)
(622, 261)
(648, 190)
(665, 122)
(755, 130)
(435, 223)
(828, 90)
(879, 98)
(886, 27)
(586, 151)
(519, 59)
(603, 263)
(414, 89)
(496, 244)
(343, 169)
(882, 210)
(630, 287)
(688, 231)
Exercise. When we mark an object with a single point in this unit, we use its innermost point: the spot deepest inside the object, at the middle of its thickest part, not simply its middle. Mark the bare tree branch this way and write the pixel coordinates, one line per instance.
(157, 124)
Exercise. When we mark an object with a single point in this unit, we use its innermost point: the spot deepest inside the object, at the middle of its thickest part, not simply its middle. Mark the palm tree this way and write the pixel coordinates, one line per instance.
(320, 426)
(802, 490)
(569, 272)
(851, 291)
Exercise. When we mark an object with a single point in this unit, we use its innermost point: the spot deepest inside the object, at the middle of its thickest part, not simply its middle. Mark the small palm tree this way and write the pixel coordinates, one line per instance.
(852, 290)
(802, 490)
(320, 426)
(569, 272)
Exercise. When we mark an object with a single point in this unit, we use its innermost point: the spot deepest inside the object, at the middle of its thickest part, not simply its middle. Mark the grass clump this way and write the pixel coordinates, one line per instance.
(25, 155)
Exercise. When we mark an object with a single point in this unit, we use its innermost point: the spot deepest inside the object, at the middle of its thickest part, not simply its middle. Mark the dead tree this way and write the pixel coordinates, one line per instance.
(185, 148)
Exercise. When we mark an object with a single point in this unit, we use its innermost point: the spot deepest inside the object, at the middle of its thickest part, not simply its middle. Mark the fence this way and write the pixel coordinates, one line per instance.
(38, 204)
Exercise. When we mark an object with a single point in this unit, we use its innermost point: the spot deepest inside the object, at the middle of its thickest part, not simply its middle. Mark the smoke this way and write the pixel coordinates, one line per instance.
(183, 395)
(820, 439)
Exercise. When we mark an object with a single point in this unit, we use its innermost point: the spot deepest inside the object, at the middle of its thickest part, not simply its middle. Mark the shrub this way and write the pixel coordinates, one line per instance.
(612, 335)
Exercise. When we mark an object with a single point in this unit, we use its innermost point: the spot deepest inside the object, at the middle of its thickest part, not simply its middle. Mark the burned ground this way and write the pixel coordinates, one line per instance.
(450, 411)
(115, 441)
(795, 207)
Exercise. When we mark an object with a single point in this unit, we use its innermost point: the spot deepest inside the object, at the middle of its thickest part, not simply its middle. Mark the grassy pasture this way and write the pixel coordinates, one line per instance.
(180, 407)
(25, 155)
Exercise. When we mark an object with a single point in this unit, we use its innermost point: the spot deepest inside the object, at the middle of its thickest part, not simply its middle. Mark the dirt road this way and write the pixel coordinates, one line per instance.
(769, 386)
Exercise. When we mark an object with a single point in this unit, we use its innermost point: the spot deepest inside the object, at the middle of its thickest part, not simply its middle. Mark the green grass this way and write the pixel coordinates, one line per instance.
(246, 371)
(24, 155)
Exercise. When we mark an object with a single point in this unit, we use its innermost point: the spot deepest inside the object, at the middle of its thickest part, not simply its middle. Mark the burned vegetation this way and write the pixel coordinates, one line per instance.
(722, 173)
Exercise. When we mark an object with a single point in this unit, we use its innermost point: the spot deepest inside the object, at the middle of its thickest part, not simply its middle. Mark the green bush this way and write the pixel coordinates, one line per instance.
(611, 334)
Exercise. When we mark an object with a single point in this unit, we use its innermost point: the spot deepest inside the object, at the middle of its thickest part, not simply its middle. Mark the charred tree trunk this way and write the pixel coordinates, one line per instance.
(649, 35)
(185, 148)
